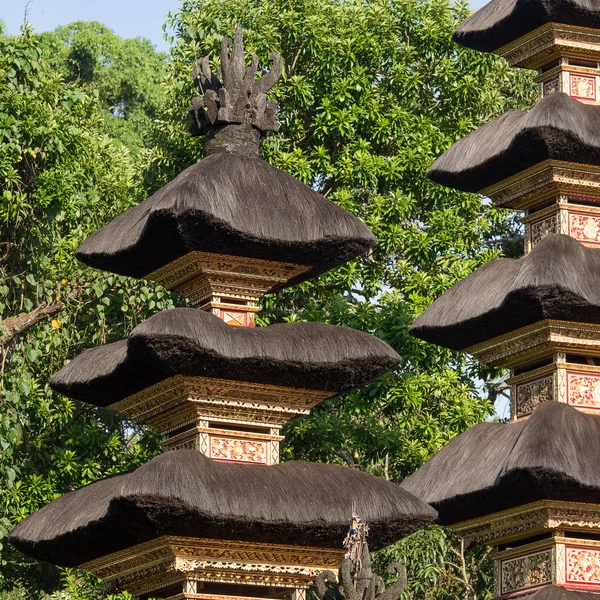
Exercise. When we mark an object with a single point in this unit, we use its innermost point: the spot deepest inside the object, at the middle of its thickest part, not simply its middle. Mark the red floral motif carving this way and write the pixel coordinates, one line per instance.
(583, 389)
(583, 565)
(231, 449)
(584, 228)
(583, 87)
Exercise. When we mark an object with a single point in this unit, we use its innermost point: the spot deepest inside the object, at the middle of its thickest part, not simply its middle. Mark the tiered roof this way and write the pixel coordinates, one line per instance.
(501, 22)
(194, 343)
(559, 279)
(552, 455)
(557, 128)
(184, 493)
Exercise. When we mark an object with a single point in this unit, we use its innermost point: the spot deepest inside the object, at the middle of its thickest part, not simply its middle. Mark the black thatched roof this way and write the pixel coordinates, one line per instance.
(229, 204)
(552, 455)
(187, 341)
(559, 279)
(502, 21)
(185, 493)
(557, 127)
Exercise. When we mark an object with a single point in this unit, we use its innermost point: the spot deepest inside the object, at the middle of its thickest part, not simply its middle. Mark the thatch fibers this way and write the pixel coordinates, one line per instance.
(187, 341)
(184, 493)
(229, 204)
(502, 21)
(559, 279)
(558, 592)
(557, 127)
(552, 455)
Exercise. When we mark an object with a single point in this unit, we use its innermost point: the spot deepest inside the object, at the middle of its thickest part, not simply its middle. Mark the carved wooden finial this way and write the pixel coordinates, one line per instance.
(234, 95)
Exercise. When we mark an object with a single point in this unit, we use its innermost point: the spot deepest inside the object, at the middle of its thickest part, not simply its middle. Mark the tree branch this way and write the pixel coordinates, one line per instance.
(15, 326)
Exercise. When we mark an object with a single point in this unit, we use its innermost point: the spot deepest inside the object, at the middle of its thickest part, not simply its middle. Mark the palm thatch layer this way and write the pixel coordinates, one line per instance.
(185, 493)
(502, 21)
(557, 127)
(559, 279)
(229, 204)
(187, 341)
(552, 455)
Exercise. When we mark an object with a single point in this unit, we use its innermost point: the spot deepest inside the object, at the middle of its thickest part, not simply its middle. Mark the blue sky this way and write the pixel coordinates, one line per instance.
(128, 18)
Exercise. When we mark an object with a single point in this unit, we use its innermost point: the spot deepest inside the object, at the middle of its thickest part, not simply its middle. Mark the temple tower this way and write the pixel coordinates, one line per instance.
(531, 487)
(216, 517)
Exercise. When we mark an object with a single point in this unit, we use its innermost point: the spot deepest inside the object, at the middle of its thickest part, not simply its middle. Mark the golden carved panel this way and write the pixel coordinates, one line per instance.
(531, 394)
(526, 571)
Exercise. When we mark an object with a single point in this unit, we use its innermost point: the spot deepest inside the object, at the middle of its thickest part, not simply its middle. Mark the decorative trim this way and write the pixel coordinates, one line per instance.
(551, 42)
(529, 520)
(205, 277)
(544, 182)
(148, 567)
(541, 339)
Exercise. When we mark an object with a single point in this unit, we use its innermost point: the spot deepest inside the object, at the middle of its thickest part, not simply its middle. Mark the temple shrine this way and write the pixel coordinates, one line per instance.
(215, 517)
(530, 488)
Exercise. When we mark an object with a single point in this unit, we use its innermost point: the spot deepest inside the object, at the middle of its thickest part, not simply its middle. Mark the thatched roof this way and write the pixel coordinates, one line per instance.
(559, 279)
(502, 21)
(185, 493)
(187, 341)
(557, 127)
(552, 455)
(229, 204)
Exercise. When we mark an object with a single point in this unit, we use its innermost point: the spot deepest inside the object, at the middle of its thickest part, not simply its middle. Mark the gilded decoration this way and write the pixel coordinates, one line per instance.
(211, 397)
(585, 228)
(529, 520)
(536, 341)
(150, 566)
(236, 450)
(550, 86)
(540, 229)
(543, 183)
(551, 42)
(526, 571)
(582, 87)
(531, 394)
(200, 276)
(583, 389)
(582, 565)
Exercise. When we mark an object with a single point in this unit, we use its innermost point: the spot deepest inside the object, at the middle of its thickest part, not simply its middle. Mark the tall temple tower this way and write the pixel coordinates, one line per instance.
(216, 517)
(531, 488)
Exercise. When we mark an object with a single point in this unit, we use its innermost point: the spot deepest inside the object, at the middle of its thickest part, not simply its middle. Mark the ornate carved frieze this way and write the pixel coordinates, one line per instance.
(537, 341)
(224, 419)
(154, 565)
(544, 183)
(227, 283)
(523, 572)
(551, 42)
(572, 383)
(530, 520)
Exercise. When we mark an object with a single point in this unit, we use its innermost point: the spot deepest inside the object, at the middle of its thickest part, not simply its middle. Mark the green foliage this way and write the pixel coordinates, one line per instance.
(61, 178)
(126, 73)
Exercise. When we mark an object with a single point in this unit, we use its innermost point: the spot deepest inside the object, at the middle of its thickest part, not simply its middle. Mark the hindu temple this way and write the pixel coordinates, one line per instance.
(530, 488)
(216, 517)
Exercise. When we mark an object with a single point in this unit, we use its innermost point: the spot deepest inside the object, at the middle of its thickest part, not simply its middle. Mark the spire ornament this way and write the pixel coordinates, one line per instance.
(234, 96)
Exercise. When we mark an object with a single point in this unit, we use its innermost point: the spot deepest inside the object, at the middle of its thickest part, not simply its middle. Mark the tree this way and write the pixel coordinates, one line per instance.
(61, 178)
(126, 73)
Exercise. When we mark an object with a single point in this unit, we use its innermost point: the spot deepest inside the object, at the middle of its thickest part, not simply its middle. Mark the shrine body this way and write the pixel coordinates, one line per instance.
(530, 488)
(216, 517)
